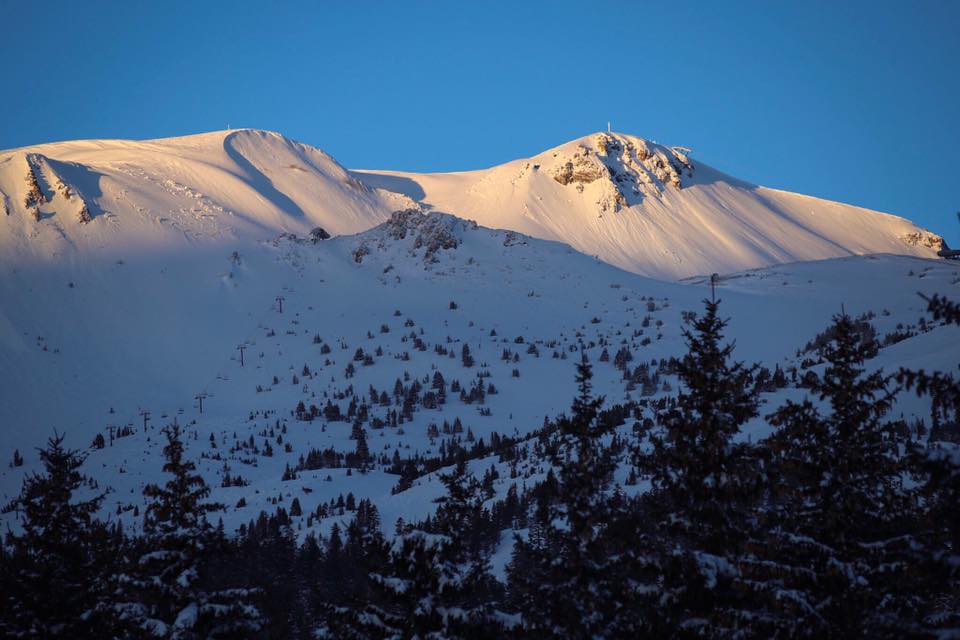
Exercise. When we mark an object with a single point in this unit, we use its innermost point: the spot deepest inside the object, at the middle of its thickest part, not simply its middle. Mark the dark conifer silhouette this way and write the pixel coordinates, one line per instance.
(167, 585)
(51, 579)
(839, 519)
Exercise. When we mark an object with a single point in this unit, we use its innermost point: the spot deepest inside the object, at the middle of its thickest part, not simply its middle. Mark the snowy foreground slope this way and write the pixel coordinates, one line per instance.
(90, 342)
(656, 211)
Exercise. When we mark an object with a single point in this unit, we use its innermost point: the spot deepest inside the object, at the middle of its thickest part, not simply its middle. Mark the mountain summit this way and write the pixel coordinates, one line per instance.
(225, 186)
(641, 206)
(656, 211)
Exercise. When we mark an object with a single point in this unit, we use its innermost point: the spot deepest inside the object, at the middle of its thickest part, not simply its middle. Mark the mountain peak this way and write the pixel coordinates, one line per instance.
(637, 204)
(651, 209)
(632, 168)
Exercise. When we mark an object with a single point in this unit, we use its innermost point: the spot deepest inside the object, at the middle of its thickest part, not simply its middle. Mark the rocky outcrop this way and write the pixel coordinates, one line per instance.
(924, 239)
(317, 234)
(425, 234)
(630, 169)
(581, 169)
(35, 196)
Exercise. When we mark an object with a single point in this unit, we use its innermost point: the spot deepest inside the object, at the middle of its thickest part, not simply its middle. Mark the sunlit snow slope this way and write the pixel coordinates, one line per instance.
(655, 211)
(222, 187)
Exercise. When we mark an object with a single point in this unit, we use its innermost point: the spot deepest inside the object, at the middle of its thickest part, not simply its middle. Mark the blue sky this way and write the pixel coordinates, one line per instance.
(858, 102)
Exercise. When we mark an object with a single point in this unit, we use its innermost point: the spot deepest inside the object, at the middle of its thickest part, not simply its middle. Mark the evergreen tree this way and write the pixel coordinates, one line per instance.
(839, 522)
(435, 586)
(363, 450)
(168, 583)
(466, 588)
(400, 602)
(704, 485)
(465, 356)
(52, 575)
(939, 464)
(576, 580)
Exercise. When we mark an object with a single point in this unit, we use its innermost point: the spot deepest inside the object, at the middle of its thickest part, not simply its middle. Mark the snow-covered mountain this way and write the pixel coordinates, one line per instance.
(111, 195)
(656, 211)
(90, 346)
(641, 206)
(132, 273)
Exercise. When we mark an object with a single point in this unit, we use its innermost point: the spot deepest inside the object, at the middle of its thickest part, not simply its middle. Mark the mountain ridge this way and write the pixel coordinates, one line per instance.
(642, 206)
(656, 211)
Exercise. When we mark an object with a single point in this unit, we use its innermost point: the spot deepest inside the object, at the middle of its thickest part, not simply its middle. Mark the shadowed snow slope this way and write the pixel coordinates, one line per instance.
(88, 344)
(653, 210)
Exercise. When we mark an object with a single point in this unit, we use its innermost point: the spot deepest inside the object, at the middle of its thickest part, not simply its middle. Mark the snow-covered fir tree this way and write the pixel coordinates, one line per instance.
(168, 595)
(703, 486)
(840, 520)
(51, 586)
(578, 577)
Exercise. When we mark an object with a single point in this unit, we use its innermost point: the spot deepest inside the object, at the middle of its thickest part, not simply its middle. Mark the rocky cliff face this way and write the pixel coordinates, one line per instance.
(632, 168)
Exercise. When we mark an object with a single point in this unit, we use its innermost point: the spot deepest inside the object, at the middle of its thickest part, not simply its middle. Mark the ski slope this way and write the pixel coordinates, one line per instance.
(155, 332)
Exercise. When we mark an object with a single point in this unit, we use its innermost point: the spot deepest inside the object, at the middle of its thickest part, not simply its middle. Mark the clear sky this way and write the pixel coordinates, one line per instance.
(858, 102)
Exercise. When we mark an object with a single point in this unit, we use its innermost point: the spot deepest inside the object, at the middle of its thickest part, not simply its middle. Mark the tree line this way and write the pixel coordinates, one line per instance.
(844, 522)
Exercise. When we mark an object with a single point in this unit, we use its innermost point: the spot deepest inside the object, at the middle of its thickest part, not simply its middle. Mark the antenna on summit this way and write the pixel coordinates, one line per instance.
(608, 126)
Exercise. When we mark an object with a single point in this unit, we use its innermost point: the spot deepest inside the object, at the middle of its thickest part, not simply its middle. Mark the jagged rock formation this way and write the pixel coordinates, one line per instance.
(634, 167)
(35, 197)
(84, 214)
(430, 233)
(629, 168)
(924, 239)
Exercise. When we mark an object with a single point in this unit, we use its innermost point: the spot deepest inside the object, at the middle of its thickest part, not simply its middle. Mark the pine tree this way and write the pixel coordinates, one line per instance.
(839, 521)
(577, 580)
(52, 573)
(466, 588)
(704, 484)
(465, 356)
(168, 582)
(363, 451)
(400, 602)
(427, 586)
(938, 463)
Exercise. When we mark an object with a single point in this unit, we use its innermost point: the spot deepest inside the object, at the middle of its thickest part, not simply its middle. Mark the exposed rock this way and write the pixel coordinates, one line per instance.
(34, 197)
(360, 252)
(511, 238)
(430, 233)
(64, 189)
(582, 169)
(632, 169)
(924, 239)
(318, 233)
(84, 214)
